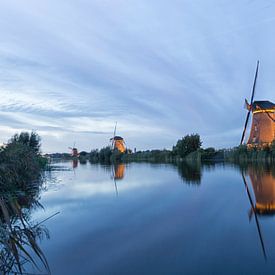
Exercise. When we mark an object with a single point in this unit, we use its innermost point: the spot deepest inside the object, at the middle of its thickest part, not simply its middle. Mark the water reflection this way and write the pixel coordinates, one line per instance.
(159, 211)
(190, 172)
(118, 171)
(254, 212)
(75, 163)
(263, 183)
(262, 180)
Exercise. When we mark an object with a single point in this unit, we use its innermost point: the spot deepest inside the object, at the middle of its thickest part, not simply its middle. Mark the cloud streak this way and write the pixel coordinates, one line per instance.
(70, 69)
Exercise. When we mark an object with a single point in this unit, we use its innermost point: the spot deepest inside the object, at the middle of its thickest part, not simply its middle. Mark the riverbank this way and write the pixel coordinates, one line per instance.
(21, 181)
(188, 148)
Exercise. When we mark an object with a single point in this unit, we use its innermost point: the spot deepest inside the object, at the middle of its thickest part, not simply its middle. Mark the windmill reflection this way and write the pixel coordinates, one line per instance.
(262, 180)
(253, 211)
(118, 171)
(75, 163)
(263, 183)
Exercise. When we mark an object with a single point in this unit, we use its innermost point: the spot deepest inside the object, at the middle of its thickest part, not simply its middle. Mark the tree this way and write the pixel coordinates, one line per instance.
(187, 145)
(32, 140)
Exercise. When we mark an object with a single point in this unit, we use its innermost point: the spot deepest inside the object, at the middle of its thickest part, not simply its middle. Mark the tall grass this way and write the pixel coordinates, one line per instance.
(21, 166)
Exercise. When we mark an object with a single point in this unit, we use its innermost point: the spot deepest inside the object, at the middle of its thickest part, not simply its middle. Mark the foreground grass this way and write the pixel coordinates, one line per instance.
(21, 166)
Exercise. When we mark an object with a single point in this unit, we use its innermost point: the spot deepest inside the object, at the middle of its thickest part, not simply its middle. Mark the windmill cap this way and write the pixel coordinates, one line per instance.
(117, 138)
(263, 105)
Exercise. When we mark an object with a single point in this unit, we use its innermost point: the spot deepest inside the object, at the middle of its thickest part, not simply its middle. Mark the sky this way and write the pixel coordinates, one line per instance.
(69, 69)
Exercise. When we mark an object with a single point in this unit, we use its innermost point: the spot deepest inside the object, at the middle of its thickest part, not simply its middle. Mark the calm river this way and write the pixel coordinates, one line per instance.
(145, 218)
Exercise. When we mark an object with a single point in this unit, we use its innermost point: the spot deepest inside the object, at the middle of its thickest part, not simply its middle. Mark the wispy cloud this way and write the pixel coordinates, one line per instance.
(70, 69)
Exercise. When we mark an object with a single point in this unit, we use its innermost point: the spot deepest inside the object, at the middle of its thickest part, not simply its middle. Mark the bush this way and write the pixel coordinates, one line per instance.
(31, 140)
(20, 162)
(187, 145)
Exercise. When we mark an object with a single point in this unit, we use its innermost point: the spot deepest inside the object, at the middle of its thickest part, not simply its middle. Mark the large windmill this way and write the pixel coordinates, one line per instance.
(117, 142)
(262, 130)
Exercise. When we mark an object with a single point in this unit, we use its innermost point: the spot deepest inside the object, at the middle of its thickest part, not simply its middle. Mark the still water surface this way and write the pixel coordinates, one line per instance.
(145, 218)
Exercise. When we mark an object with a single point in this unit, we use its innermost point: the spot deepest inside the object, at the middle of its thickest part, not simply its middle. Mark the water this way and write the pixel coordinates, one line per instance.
(158, 219)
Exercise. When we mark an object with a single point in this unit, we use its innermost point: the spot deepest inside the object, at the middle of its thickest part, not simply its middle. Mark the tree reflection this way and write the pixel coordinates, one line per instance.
(190, 172)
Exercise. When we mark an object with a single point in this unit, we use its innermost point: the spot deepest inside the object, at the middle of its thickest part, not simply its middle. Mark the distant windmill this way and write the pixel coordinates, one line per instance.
(117, 142)
(74, 151)
(263, 119)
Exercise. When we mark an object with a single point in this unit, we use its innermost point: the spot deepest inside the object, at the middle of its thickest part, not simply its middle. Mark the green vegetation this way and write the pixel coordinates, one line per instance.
(20, 162)
(103, 155)
(150, 156)
(187, 145)
(21, 165)
(244, 153)
(188, 148)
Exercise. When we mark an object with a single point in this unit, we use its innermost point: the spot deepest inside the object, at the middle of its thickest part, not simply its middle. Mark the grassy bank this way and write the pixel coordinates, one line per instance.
(21, 166)
(188, 148)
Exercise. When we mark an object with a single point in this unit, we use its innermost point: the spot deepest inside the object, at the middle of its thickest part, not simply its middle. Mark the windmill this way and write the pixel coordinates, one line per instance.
(117, 142)
(74, 151)
(263, 119)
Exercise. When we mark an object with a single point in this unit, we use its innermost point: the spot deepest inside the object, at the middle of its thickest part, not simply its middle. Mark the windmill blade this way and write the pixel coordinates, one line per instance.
(251, 102)
(115, 129)
(245, 126)
(254, 84)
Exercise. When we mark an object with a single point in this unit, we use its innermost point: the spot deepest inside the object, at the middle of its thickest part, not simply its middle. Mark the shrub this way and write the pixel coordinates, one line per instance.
(187, 145)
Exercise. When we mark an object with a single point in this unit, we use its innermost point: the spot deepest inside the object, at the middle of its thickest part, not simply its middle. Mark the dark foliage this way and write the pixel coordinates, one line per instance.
(190, 172)
(20, 183)
(103, 155)
(20, 161)
(187, 145)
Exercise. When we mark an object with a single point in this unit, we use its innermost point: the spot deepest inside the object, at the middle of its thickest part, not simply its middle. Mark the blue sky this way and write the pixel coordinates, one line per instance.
(161, 69)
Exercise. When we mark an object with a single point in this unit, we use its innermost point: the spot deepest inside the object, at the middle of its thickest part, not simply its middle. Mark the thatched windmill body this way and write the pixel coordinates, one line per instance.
(117, 142)
(263, 119)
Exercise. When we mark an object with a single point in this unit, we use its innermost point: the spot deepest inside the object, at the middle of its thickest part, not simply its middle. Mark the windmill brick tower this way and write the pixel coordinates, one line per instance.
(263, 126)
(263, 120)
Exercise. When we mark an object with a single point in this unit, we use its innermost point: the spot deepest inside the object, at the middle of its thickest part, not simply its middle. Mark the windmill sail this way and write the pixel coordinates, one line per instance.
(251, 102)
